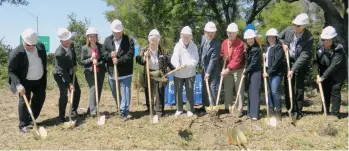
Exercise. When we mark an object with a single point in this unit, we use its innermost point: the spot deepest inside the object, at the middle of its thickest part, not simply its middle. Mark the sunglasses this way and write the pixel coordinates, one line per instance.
(325, 39)
(297, 25)
(30, 45)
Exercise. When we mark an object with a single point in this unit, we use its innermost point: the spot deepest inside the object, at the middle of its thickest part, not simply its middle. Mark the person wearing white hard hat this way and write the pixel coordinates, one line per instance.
(253, 73)
(298, 40)
(234, 54)
(186, 55)
(210, 63)
(118, 49)
(275, 63)
(333, 71)
(91, 57)
(64, 70)
(159, 61)
(27, 74)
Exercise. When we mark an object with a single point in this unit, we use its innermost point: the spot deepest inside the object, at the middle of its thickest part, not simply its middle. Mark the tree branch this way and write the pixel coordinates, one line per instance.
(226, 11)
(256, 10)
(213, 5)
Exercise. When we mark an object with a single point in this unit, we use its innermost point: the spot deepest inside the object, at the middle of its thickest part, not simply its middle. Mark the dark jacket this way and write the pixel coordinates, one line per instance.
(164, 60)
(276, 60)
(18, 66)
(86, 55)
(124, 55)
(64, 63)
(332, 63)
(303, 47)
(253, 59)
(210, 59)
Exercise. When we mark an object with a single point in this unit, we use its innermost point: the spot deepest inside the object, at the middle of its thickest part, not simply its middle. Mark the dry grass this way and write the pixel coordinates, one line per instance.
(201, 132)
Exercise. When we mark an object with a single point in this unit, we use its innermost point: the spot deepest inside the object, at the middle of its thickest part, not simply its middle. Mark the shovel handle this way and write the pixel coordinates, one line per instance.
(208, 91)
(96, 89)
(322, 96)
(117, 86)
(149, 88)
(289, 81)
(239, 89)
(178, 68)
(220, 83)
(265, 85)
(71, 99)
(29, 109)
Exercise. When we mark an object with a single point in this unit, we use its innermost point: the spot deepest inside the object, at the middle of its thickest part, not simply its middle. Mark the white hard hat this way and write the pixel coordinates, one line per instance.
(116, 26)
(154, 32)
(272, 32)
(328, 33)
(186, 30)
(301, 19)
(64, 34)
(91, 31)
(249, 33)
(232, 28)
(29, 36)
(210, 27)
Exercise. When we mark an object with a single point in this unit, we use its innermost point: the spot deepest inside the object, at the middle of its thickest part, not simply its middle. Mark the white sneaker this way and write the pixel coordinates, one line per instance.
(189, 113)
(178, 113)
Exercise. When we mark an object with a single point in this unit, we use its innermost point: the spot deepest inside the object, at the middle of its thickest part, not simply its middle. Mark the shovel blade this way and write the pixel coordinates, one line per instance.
(39, 134)
(272, 121)
(69, 124)
(155, 119)
(101, 120)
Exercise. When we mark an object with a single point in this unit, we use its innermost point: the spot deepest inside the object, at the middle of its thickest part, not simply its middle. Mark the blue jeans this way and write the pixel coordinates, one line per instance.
(274, 92)
(125, 85)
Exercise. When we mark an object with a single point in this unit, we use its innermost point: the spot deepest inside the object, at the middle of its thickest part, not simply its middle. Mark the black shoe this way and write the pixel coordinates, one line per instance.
(93, 115)
(74, 114)
(62, 120)
(201, 109)
(278, 115)
(226, 111)
(299, 115)
(24, 129)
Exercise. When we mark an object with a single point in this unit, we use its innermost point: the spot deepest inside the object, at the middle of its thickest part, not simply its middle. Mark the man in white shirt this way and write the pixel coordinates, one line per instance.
(185, 54)
(27, 74)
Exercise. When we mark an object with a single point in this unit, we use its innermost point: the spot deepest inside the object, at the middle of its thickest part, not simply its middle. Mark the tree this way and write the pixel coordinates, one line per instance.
(4, 51)
(79, 29)
(14, 2)
(335, 15)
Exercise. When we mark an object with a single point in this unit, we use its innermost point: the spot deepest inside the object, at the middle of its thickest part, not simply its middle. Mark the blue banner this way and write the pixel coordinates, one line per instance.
(170, 93)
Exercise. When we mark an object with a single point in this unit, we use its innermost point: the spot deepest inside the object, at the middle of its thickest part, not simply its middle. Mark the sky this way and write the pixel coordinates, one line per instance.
(52, 15)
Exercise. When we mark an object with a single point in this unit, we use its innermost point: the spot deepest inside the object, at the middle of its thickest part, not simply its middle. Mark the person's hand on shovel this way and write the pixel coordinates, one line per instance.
(265, 75)
(71, 87)
(319, 79)
(21, 90)
(113, 56)
(290, 74)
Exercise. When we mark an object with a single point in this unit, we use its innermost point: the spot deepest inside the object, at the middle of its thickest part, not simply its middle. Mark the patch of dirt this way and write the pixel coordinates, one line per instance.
(198, 132)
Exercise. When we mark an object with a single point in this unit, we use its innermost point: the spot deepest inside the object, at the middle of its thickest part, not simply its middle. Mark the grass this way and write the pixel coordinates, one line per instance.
(201, 132)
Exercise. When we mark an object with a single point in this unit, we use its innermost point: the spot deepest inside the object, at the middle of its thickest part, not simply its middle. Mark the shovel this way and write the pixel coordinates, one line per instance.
(238, 93)
(328, 128)
(178, 68)
(153, 119)
(294, 120)
(117, 88)
(216, 107)
(40, 133)
(100, 119)
(210, 108)
(71, 123)
(237, 137)
(270, 121)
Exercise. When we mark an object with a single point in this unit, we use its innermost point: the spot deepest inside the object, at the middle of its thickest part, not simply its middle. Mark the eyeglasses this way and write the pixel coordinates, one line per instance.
(297, 25)
(30, 45)
(325, 39)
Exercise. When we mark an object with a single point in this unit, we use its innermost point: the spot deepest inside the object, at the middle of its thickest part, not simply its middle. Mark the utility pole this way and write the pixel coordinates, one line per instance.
(36, 18)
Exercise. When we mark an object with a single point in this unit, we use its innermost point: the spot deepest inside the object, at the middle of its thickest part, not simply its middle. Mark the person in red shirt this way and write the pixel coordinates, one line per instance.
(234, 54)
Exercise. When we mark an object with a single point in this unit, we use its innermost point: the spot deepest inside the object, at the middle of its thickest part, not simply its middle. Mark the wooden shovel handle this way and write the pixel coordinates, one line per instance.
(322, 97)
(265, 85)
(96, 89)
(208, 90)
(29, 110)
(117, 86)
(239, 89)
(220, 83)
(178, 68)
(289, 81)
(149, 86)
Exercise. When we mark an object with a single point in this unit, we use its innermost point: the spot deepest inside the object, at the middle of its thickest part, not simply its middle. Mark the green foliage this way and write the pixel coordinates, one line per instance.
(79, 28)
(14, 2)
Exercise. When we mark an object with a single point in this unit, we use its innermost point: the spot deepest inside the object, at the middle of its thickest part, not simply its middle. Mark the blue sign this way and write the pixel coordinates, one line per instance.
(170, 98)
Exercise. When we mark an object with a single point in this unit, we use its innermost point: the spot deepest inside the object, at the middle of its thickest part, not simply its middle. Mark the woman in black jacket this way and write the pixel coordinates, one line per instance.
(253, 72)
(90, 56)
(331, 61)
(275, 69)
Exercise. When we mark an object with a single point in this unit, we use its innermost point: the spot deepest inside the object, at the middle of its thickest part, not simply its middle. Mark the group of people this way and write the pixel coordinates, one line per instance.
(240, 58)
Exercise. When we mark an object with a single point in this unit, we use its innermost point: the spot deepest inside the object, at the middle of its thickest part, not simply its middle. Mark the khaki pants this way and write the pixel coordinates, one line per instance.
(231, 82)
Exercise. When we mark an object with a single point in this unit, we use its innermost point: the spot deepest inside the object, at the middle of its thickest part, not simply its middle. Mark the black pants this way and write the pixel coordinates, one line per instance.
(91, 84)
(63, 95)
(159, 105)
(253, 94)
(297, 83)
(37, 101)
(332, 92)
